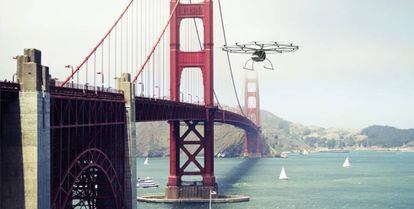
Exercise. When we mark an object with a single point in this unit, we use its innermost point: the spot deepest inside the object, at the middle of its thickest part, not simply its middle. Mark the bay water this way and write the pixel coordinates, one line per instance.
(376, 180)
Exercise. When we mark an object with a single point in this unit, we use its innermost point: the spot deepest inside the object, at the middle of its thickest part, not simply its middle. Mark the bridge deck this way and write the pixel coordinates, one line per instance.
(149, 109)
(8, 91)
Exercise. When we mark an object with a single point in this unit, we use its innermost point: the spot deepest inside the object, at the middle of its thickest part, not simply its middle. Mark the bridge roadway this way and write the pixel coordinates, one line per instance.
(150, 109)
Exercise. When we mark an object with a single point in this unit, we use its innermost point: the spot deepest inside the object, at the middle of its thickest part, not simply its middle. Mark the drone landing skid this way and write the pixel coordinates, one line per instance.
(268, 65)
(247, 63)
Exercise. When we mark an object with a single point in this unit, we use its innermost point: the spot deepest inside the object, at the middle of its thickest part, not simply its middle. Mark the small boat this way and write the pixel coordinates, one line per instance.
(346, 163)
(304, 152)
(284, 155)
(283, 175)
(146, 161)
(146, 183)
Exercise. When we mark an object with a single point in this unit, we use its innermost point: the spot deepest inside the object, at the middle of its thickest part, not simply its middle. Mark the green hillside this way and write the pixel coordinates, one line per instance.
(386, 136)
(153, 138)
(278, 135)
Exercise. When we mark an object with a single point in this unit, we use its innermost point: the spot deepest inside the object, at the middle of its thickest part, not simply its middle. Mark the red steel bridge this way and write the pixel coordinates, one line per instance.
(155, 63)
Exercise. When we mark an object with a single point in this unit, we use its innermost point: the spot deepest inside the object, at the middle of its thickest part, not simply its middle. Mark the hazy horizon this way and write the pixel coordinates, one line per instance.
(354, 67)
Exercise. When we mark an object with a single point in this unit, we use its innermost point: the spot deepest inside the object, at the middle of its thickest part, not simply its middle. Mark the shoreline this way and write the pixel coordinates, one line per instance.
(407, 150)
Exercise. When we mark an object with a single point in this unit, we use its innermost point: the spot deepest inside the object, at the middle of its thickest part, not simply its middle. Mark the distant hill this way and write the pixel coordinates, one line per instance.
(153, 139)
(386, 136)
(278, 135)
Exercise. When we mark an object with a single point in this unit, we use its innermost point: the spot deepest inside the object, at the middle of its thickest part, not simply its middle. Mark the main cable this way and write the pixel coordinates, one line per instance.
(228, 60)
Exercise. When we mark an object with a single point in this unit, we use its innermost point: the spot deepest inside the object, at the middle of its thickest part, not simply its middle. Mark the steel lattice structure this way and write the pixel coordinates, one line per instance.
(88, 142)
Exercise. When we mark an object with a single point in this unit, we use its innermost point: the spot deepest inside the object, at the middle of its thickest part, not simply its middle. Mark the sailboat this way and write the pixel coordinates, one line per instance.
(346, 163)
(146, 161)
(282, 175)
(304, 152)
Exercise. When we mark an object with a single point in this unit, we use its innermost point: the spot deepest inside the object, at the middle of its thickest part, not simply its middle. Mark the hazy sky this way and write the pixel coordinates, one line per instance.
(354, 67)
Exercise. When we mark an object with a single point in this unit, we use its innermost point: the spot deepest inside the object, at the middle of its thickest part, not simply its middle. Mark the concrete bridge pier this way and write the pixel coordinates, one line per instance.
(130, 191)
(25, 138)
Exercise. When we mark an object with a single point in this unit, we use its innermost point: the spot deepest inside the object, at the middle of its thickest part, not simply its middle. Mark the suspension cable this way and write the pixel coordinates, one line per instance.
(228, 59)
(157, 42)
(96, 47)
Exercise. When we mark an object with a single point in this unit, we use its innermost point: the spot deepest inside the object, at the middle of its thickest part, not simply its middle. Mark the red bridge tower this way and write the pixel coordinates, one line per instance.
(252, 141)
(180, 142)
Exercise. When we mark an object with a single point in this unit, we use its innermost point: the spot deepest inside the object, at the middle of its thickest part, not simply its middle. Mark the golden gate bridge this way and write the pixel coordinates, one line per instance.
(75, 139)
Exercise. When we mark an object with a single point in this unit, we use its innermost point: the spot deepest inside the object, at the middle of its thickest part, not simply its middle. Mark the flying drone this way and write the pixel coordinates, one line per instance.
(259, 50)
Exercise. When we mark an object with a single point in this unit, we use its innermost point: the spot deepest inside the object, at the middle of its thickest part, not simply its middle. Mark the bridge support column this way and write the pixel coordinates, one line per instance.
(258, 144)
(130, 190)
(191, 143)
(246, 144)
(25, 144)
(208, 177)
(252, 146)
(172, 191)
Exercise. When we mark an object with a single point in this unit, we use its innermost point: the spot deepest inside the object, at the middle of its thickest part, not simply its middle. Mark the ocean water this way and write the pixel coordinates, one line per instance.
(375, 180)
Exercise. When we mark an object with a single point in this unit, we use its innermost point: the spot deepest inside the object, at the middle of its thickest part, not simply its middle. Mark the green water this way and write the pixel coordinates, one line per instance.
(375, 180)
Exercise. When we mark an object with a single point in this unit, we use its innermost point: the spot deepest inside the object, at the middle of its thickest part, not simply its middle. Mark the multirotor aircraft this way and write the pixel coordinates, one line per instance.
(259, 51)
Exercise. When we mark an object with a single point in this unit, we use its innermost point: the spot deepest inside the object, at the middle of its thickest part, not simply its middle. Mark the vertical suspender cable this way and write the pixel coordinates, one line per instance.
(157, 42)
(116, 45)
(102, 63)
(136, 37)
(142, 44)
(156, 58)
(121, 48)
(148, 35)
(132, 39)
(143, 41)
(126, 43)
(153, 59)
(94, 70)
(109, 62)
(188, 70)
(86, 71)
(228, 59)
(162, 54)
(98, 45)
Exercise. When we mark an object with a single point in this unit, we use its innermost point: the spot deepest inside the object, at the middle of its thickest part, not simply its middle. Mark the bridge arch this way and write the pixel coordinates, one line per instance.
(90, 167)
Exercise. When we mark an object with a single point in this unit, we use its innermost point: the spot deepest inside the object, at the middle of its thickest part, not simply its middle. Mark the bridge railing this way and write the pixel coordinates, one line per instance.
(9, 86)
(85, 87)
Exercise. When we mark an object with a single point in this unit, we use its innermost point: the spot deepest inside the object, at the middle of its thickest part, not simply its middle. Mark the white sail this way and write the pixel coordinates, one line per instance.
(346, 163)
(283, 175)
(146, 161)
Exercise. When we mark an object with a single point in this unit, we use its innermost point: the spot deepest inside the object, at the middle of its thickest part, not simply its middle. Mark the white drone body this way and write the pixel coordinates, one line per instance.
(258, 51)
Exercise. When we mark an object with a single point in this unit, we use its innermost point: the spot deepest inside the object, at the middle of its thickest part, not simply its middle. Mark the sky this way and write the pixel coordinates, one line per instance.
(354, 67)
